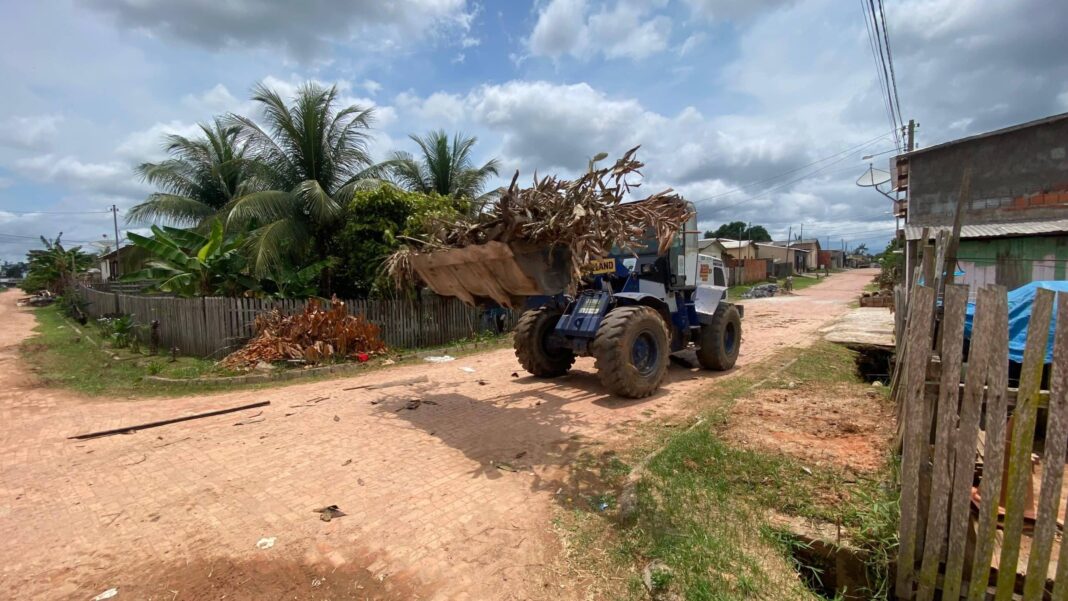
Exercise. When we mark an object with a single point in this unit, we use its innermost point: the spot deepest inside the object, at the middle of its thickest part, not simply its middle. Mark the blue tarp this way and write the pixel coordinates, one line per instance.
(1020, 302)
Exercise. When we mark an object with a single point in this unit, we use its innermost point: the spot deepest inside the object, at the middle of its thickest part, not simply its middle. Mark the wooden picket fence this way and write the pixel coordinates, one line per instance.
(970, 524)
(213, 326)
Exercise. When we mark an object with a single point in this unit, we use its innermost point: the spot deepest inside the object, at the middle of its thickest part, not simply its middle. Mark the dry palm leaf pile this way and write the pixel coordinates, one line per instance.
(586, 215)
(318, 333)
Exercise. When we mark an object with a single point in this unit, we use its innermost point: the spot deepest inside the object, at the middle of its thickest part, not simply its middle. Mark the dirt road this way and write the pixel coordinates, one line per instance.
(201, 508)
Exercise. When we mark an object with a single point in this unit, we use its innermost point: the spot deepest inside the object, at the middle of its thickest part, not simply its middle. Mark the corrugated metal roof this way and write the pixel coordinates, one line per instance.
(995, 230)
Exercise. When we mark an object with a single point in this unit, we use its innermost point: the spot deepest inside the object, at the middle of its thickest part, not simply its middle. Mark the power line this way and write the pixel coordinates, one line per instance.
(890, 60)
(107, 212)
(875, 45)
(796, 169)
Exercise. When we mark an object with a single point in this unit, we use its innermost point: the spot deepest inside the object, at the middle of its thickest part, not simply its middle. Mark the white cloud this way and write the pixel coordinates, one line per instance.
(372, 86)
(148, 144)
(6, 182)
(733, 9)
(468, 41)
(29, 133)
(305, 29)
(624, 30)
(110, 177)
(690, 44)
(216, 100)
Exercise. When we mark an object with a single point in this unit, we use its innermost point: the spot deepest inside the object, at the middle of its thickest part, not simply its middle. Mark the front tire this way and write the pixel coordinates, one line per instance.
(721, 340)
(531, 335)
(631, 348)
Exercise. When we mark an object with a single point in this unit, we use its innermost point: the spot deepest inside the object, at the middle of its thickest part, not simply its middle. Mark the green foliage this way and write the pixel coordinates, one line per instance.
(201, 177)
(739, 230)
(122, 331)
(189, 264)
(13, 270)
(53, 268)
(445, 168)
(292, 282)
(892, 264)
(309, 157)
(373, 225)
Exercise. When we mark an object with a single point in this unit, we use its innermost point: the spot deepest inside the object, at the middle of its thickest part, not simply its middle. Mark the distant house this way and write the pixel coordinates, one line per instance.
(1015, 224)
(786, 260)
(832, 259)
(811, 249)
(115, 264)
(738, 249)
(711, 247)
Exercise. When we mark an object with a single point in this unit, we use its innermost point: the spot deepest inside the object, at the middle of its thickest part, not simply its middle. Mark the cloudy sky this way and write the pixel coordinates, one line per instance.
(758, 111)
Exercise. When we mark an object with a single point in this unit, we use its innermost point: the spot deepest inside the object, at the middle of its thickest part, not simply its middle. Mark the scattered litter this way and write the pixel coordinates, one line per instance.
(761, 291)
(469, 370)
(439, 359)
(515, 374)
(389, 384)
(347, 462)
(414, 404)
(362, 357)
(603, 505)
(337, 419)
(806, 470)
(251, 420)
(507, 467)
(266, 542)
(111, 592)
(329, 512)
(317, 582)
(388, 362)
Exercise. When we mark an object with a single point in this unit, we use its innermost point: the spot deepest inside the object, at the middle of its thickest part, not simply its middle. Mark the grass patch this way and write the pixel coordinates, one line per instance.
(702, 507)
(800, 283)
(63, 358)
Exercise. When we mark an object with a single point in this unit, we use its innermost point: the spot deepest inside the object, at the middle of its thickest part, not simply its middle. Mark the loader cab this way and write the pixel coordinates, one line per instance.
(676, 270)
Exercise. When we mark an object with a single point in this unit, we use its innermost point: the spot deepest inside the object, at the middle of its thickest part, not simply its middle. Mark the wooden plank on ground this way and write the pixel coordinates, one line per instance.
(1052, 463)
(1023, 434)
(956, 301)
(914, 449)
(987, 364)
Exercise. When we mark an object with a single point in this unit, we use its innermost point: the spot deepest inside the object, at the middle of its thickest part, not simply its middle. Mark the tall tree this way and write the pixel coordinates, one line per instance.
(310, 155)
(445, 167)
(55, 267)
(202, 176)
(740, 230)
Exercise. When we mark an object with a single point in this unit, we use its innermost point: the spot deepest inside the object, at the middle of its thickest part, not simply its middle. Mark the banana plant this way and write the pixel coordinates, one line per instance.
(187, 263)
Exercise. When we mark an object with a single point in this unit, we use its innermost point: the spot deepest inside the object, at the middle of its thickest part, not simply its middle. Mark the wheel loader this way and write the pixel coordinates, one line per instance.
(630, 310)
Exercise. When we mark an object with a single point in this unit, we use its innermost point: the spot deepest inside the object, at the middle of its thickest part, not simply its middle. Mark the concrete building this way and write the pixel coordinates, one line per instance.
(738, 249)
(786, 260)
(810, 248)
(1015, 222)
(711, 247)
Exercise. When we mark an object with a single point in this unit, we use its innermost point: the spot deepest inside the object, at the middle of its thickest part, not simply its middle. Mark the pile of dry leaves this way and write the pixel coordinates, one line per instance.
(318, 333)
(585, 215)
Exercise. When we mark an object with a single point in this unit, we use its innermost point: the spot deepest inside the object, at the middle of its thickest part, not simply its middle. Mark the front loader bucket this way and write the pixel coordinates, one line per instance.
(503, 272)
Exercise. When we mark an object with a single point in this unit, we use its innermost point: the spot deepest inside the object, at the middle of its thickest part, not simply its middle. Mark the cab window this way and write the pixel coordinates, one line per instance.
(717, 276)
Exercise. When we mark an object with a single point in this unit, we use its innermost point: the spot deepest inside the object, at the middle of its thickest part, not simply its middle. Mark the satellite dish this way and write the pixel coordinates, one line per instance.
(873, 177)
(104, 245)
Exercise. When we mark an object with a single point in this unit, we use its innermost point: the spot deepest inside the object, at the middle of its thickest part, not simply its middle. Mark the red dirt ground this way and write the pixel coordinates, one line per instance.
(176, 512)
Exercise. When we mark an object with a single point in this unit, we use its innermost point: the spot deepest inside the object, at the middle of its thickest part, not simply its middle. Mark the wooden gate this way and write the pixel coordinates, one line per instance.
(980, 513)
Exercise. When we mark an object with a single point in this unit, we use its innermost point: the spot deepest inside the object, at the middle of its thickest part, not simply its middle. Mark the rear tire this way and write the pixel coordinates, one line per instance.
(631, 347)
(721, 340)
(531, 332)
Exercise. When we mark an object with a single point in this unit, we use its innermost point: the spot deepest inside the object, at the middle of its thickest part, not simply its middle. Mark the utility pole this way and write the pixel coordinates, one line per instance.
(911, 135)
(115, 222)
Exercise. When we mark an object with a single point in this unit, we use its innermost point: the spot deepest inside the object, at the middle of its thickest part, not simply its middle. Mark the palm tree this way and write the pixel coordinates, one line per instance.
(202, 176)
(309, 157)
(445, 167)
